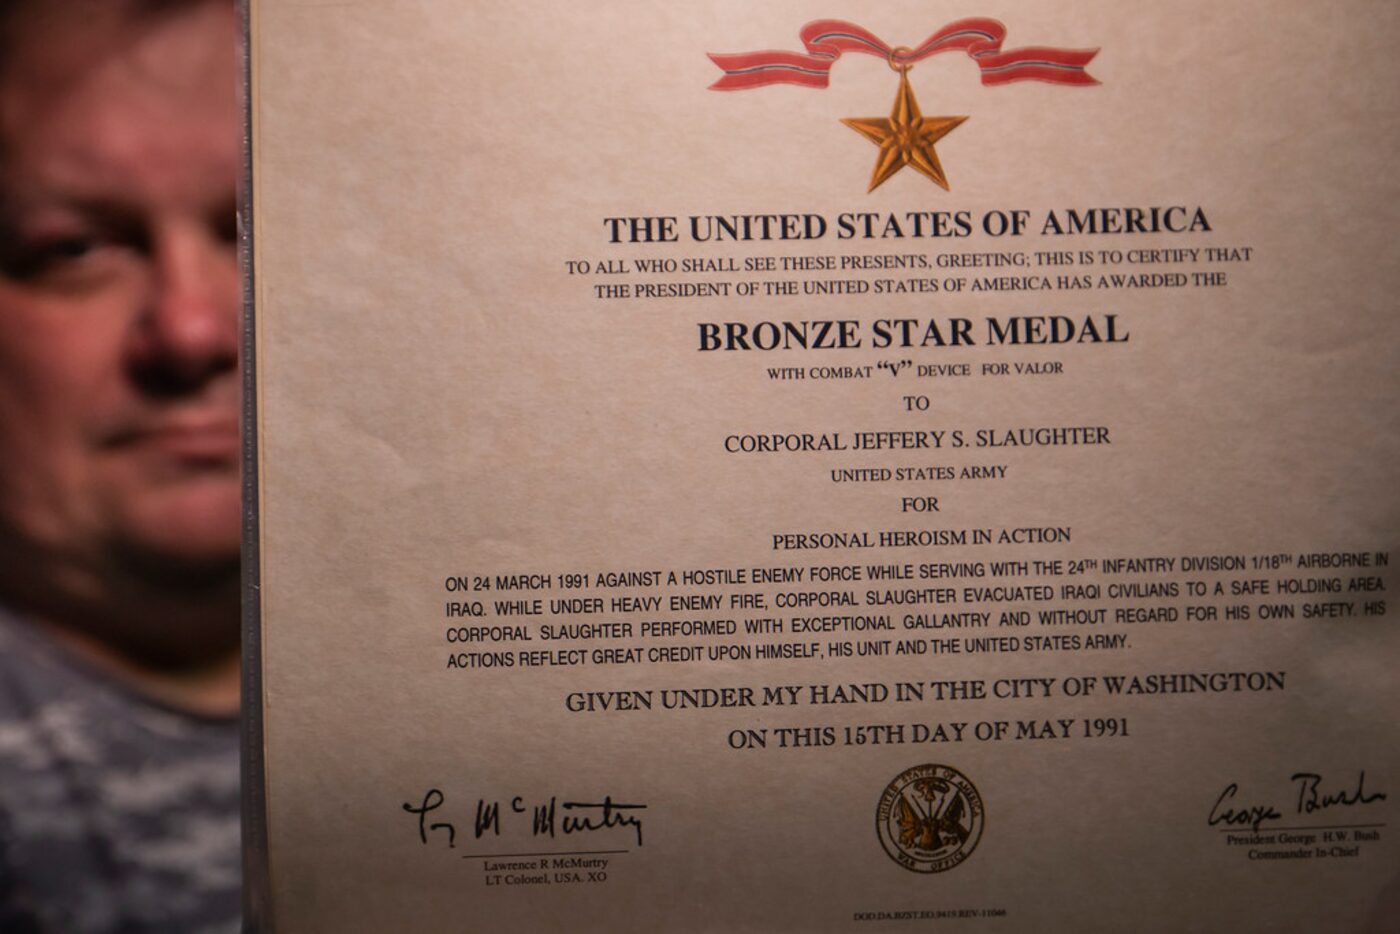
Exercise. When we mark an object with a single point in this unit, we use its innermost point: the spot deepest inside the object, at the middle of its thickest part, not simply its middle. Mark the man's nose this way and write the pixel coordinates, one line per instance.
(187, 332)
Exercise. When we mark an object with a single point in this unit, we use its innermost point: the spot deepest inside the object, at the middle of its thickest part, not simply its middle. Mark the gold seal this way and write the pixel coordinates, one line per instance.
(930, 818)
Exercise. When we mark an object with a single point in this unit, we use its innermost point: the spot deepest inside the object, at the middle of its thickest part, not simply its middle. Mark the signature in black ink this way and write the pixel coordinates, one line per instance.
(608, 813)
(431, 802)
(1311, 799)
(544, 819)
(1253, 814)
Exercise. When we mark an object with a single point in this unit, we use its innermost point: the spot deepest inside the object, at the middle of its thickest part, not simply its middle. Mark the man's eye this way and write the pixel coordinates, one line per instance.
(70, 249)
(30, 261)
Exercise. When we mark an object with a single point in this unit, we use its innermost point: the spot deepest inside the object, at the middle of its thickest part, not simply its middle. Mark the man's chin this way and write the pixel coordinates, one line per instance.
(176, 532)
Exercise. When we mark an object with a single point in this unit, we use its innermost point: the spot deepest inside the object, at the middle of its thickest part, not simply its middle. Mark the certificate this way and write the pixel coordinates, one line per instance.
(784, 467)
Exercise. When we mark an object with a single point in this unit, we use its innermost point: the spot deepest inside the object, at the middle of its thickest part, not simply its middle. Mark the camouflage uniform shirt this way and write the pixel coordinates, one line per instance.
(115, 814)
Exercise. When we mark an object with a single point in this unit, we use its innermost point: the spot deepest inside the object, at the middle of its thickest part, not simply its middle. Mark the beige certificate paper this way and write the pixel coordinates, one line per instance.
(793, 467)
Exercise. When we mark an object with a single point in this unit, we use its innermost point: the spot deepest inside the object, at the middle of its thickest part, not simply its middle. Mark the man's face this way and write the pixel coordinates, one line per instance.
(119, 291)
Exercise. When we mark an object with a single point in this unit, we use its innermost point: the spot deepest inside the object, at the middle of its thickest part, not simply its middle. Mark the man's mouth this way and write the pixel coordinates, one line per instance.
(191, 438)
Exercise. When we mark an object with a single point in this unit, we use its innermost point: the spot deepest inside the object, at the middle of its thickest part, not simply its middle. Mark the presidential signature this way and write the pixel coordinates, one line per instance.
(1313, 796)
(549, 818)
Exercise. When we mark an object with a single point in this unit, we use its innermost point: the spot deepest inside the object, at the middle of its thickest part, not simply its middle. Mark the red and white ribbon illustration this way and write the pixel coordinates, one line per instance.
(827, 39)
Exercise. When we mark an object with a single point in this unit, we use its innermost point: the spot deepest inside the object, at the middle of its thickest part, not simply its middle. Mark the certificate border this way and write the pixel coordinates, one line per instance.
(257, 914)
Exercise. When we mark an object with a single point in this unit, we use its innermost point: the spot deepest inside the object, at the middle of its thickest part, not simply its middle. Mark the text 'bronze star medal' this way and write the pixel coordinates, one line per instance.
(907, 136)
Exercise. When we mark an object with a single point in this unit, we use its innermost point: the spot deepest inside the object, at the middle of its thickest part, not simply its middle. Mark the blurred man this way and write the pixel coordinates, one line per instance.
(119, 454)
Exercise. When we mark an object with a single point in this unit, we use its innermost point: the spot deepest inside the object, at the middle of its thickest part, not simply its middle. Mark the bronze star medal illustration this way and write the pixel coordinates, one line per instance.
(906, 137)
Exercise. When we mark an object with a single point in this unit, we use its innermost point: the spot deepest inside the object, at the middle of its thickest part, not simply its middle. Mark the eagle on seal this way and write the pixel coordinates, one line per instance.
(940, 826)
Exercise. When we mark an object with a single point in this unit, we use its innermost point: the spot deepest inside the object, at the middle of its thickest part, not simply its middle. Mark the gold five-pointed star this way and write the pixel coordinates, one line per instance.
(906, 138)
